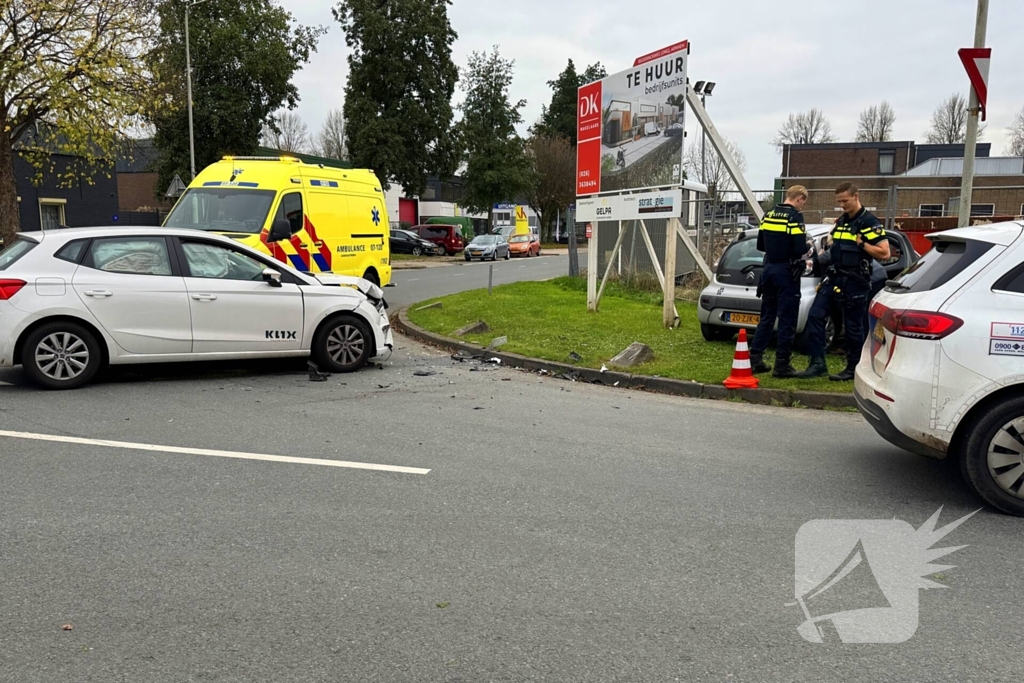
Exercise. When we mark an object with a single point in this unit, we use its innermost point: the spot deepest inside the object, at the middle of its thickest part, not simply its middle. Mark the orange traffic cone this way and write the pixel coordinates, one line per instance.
(741, 377)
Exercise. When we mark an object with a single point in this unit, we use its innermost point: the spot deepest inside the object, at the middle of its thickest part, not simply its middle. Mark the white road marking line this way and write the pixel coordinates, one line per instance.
(414, 279)
(212, 453)
(6, 384)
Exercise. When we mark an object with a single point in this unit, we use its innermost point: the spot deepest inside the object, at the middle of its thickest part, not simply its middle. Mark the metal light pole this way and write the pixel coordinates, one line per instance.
(967, 185)
(188, 79)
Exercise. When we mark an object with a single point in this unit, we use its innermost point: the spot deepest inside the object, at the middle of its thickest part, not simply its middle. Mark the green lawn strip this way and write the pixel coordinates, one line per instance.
(547, 320)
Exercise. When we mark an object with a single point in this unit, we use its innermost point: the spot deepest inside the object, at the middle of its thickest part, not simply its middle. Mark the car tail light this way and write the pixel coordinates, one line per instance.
(9, 288)
(916, 324)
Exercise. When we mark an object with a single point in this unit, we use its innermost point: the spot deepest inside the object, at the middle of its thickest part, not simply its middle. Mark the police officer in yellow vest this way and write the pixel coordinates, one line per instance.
(783, 240)
(857, 239)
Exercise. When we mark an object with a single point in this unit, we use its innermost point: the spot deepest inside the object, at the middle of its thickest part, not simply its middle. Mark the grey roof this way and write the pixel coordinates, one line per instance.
(984, 166)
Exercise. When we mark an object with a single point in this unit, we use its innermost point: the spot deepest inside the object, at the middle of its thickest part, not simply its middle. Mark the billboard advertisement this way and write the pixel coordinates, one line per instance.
(630, 125)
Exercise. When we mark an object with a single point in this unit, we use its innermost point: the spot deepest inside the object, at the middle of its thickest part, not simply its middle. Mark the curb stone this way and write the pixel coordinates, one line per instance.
(662, 385)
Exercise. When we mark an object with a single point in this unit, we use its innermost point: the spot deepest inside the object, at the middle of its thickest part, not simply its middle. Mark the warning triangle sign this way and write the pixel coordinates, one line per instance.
(976, 61)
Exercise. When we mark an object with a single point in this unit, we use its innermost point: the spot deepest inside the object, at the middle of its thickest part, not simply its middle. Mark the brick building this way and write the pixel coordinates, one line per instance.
(900, 180)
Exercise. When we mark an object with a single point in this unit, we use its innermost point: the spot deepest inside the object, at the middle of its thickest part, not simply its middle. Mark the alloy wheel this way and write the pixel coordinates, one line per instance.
(1006, 457)
(62, 356)
(345, 344)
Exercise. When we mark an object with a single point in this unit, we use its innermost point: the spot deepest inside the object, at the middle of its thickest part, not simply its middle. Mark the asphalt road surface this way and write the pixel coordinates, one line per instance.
(419, 285)
(535, 529)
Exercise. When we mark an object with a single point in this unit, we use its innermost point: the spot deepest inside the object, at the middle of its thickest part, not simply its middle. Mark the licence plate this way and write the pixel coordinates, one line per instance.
(879, 332)
(742, 318)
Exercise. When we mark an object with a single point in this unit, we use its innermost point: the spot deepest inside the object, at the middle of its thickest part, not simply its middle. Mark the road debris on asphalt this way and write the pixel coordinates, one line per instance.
(314, 372)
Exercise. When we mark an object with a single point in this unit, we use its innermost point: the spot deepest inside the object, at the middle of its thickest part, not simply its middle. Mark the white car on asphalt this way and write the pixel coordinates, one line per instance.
(942, 373)
(74, 300)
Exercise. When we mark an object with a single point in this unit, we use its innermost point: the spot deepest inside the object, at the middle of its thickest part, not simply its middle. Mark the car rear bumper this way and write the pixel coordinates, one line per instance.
(876, 416)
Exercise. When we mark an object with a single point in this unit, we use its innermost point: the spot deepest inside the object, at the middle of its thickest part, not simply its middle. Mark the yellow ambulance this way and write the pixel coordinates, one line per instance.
(337, 217)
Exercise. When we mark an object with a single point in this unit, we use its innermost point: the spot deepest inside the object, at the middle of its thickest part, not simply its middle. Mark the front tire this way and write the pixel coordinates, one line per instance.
(61, 355)
(992, 460)
(344, 344)
(416, 251)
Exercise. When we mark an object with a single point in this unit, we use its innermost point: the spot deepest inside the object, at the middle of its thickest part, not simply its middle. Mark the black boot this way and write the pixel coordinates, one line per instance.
(757, 364)
(817, 368)
(846, 375)
(783, 369)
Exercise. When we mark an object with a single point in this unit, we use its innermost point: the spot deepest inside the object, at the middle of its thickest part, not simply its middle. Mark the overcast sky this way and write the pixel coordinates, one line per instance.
(841, 56)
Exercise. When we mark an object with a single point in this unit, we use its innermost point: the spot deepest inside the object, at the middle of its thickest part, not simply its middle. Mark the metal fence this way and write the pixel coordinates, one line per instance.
(634, 259)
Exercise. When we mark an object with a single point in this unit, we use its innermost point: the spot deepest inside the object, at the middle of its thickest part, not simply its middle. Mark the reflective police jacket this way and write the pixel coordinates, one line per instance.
(781, 236)
(846, 255)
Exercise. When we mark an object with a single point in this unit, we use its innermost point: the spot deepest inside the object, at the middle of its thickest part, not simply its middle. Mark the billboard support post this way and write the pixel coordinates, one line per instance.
(617, 251)
(592, 270)
(669, 317)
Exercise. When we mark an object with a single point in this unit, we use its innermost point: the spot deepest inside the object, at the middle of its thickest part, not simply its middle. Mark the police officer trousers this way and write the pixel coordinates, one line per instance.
(851, 296)
(780, 298)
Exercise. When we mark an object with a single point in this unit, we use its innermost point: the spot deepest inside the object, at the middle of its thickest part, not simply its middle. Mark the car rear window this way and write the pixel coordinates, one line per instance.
(741, 257)
(14, 252)
(941, 264)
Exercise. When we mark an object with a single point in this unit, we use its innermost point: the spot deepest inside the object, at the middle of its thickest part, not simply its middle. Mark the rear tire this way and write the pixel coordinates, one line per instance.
(61, 355)
(343, 344)
(715, 333)
(992, 460)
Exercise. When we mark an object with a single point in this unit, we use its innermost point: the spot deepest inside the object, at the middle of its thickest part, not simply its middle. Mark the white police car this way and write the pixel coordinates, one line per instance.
(73, 300)
(942, 373)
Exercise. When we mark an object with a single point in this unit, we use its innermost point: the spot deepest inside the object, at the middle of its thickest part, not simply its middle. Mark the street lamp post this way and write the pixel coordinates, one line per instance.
(188, 80)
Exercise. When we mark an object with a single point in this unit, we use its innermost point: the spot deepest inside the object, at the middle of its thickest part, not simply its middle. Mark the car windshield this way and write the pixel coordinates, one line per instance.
(409, 235)
(14, 252)
(485, 240)
(519, 238)
(222, 210)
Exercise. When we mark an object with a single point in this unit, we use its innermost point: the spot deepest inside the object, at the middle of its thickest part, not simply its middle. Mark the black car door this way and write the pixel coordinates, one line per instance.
(400, 243)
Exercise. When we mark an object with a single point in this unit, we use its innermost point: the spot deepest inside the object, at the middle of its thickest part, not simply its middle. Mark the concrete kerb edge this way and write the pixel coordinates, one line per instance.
(662, 385)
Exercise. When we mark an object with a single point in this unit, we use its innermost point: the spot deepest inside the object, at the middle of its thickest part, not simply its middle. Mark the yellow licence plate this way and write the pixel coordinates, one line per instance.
(879, 332)
(744, 319)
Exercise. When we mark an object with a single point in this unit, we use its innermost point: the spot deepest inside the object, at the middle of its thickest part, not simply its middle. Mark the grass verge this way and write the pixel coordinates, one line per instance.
(548, 320)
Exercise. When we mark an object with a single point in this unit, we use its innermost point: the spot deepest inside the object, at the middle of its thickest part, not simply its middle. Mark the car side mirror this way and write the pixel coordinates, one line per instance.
(280, 229)
(272, 277)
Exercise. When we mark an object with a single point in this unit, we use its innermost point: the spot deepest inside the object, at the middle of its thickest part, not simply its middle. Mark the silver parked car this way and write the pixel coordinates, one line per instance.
(487, 247)
(730, 302)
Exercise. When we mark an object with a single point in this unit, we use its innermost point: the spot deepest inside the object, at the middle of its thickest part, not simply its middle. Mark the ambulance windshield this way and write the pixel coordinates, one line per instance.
(222, 210)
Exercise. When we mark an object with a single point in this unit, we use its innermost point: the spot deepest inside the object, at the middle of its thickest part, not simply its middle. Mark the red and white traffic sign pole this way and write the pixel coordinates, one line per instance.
(976, 62)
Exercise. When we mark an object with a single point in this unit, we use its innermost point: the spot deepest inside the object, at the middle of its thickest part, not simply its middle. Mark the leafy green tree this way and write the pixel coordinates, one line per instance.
(244, 55)
(70, 80)
(497, 167)
(554, 189)
(559, 117)
(398, 110)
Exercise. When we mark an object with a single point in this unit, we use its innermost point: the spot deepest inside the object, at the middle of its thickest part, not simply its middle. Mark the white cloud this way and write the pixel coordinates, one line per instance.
(768, 58)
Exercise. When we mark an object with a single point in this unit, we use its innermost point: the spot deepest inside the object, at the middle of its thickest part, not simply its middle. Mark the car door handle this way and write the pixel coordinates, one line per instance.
(302, 245)
(204, 297)
(318, 244)
(98, 293)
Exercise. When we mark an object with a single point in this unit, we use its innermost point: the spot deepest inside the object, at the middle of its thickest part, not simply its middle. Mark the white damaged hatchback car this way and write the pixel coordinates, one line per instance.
(942, 372)
(74, 300)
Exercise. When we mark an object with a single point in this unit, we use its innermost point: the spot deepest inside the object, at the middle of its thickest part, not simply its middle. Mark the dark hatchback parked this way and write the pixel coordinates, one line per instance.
(405, 242)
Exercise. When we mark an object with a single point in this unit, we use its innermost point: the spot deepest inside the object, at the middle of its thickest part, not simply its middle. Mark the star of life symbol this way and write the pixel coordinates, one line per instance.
(376, 216)
(857, 581)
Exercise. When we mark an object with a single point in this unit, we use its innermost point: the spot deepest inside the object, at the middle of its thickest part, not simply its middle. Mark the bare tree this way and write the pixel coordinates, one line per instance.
(876, 123)
(804, 128)
(1016, 134)
(287, 133)
(330, 141)
(710, 169)
(554, 162)
(949, 122)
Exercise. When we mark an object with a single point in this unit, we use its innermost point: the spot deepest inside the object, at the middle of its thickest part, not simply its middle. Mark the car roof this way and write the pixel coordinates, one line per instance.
(68, 234)
(1002, 234)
